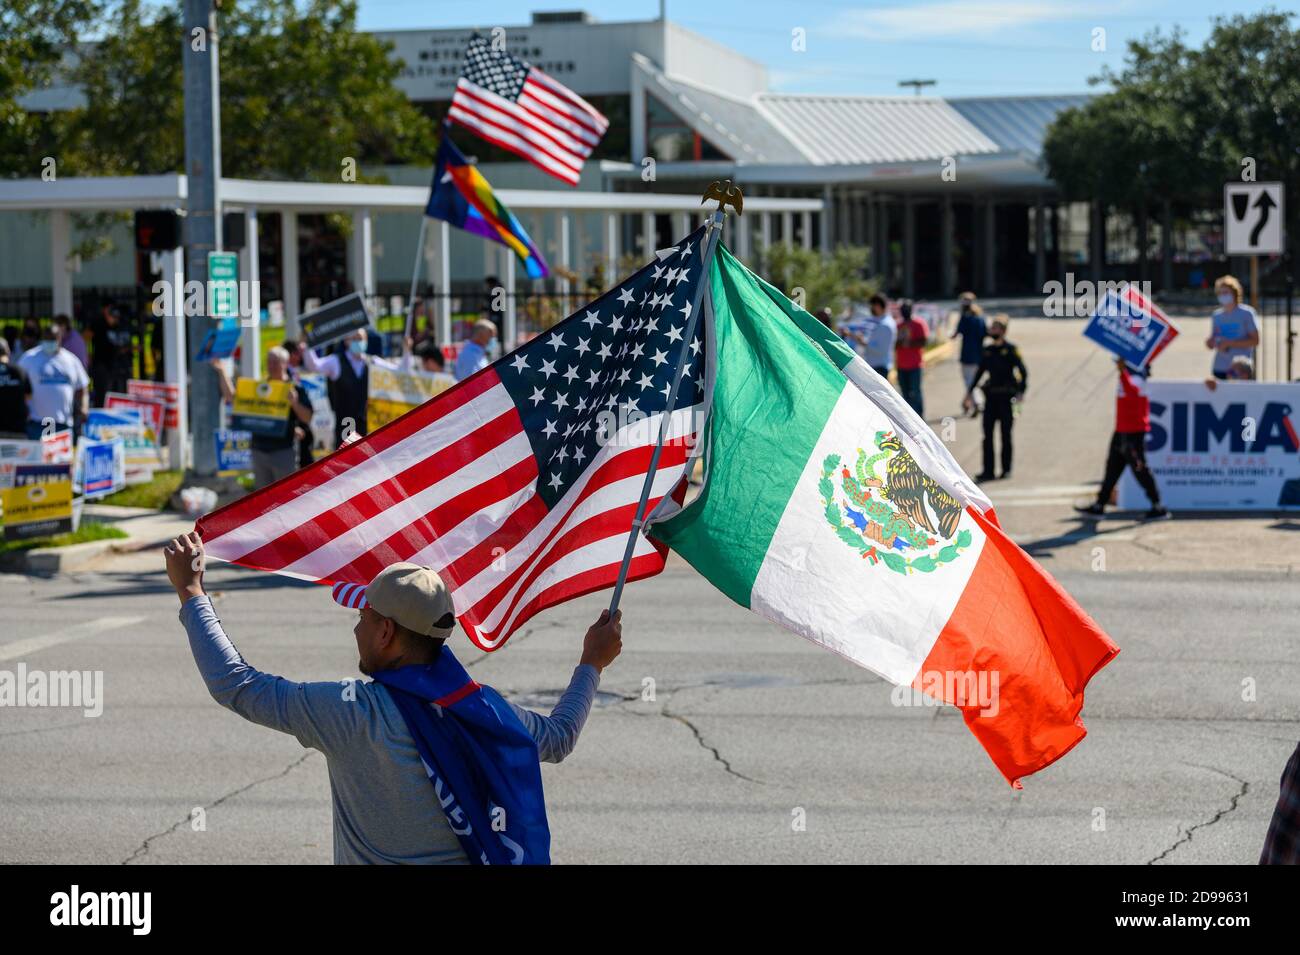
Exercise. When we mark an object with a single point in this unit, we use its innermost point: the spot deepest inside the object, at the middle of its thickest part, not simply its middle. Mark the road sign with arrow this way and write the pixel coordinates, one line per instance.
(1252, 218)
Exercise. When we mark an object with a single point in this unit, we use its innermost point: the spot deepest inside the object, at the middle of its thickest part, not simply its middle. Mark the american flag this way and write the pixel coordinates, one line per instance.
(519, 484)
(517, 106)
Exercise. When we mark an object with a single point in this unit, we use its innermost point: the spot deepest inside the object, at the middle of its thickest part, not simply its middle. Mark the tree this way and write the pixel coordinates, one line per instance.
(34, 37)
(832, 280)
(302, 94)
(1178, 122)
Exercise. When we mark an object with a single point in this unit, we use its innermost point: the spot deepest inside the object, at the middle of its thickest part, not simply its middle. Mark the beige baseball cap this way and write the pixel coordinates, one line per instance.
(415, 597)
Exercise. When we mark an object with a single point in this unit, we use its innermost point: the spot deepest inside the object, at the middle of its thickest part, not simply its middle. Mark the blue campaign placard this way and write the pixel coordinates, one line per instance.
(234, 450)
(221, 341)
(99, 418)
(1125, 325)
(101, 467)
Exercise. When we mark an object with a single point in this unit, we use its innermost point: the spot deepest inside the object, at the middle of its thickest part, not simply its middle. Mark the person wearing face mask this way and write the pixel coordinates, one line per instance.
(348, 375)
(1005, 384)
(1234, 331)
(59, 386)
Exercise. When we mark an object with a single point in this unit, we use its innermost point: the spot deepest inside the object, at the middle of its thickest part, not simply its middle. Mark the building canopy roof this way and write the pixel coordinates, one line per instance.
(848, 134)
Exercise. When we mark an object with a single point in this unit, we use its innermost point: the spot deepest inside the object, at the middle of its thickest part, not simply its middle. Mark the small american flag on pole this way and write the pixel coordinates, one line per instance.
(518, 107)
(519, 485)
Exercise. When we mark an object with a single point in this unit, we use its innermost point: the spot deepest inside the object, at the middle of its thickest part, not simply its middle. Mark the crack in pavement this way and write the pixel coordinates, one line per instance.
(717, 756)
(1185, 835)
(678, 718)
(143, 849)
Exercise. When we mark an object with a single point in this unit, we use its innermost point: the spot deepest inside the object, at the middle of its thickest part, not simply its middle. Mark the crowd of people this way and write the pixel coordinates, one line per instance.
(53, 374)
(345, 367)
(993, 373)
(995, 378)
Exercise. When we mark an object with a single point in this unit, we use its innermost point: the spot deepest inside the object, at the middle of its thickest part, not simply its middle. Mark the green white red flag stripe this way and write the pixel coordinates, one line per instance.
(830, 508)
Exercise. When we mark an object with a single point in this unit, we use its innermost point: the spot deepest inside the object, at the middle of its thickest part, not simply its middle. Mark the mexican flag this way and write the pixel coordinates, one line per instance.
(829, 507)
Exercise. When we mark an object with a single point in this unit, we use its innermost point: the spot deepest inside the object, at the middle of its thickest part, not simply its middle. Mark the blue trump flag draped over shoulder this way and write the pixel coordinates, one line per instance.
(482, 762)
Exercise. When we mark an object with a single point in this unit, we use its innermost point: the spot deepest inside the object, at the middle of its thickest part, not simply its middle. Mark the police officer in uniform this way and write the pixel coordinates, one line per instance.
(1006, 381)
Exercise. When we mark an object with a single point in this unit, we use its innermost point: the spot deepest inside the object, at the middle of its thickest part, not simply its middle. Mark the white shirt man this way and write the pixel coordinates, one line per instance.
(59, 383)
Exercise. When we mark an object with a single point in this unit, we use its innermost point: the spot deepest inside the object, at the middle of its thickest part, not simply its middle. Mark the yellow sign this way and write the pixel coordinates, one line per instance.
(394, 393)
(39, 503)
(262, 399)
(262, 407)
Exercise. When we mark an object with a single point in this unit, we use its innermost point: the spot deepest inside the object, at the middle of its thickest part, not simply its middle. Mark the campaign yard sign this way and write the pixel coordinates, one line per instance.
(40, 502)
(153, 412)
(391, 394)
(101, 467)
(14, 453)
(220, 342)
(169, 393)
(234, 452)
(56, 447)
(141, 454)
(331, 322)
(1231, 448)
(261, 407)
(322, 415)
(1131, 326)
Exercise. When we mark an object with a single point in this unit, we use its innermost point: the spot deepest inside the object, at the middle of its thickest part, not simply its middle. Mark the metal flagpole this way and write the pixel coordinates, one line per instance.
(415, 281)
(710, 241)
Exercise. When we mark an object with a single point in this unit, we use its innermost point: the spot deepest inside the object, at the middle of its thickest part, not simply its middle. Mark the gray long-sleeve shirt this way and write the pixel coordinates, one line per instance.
(384, 804)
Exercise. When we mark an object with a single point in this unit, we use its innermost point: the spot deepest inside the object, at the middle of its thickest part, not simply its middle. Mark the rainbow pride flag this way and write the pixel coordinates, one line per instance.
(460, 195)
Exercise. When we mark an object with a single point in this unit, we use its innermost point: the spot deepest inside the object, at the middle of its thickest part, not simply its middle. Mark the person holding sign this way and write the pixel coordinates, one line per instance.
(1128, 443)
(1234, 331)
(348, 375)
(274, 456)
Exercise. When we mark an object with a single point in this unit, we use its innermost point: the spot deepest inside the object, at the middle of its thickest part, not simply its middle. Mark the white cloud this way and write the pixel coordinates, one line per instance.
(956, 18)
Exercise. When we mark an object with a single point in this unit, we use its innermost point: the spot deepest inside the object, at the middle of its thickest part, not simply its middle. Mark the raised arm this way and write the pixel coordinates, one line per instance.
(223, 380)
(557, 734)
(327, 366)
(323, 716)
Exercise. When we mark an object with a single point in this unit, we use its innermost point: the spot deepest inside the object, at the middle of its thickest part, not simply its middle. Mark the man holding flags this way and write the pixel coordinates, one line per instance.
(425, 765)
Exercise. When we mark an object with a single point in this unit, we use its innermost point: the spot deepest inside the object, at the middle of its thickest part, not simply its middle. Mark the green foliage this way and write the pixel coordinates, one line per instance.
(833, 280)
(301, 92)
(88, 531)
(1179, 121)
(33, 37)
(155, 492)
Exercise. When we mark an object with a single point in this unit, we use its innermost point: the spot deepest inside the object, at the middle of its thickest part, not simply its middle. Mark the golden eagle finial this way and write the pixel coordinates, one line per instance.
(726, 193)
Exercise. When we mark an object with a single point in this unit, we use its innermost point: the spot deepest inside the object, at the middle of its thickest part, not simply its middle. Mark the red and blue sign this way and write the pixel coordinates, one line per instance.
(1131, 326)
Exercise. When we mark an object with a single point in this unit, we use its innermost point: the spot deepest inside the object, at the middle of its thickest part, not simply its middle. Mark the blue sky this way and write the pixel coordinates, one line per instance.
(971, 47)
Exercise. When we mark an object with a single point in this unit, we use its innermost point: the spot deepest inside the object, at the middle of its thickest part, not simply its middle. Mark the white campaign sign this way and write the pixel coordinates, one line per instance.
(1231, 448)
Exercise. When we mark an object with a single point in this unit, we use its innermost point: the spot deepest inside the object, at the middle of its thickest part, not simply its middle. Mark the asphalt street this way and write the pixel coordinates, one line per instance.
(718, 737)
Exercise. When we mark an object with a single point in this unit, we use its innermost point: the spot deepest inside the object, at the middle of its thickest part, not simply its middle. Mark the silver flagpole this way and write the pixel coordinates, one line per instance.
(711, 236)
(415, 281)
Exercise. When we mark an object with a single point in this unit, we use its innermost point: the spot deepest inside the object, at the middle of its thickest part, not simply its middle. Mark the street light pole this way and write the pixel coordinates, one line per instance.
(203, 206)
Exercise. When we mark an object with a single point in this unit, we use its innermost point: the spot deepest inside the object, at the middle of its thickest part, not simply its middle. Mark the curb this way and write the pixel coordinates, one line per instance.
(48, 561)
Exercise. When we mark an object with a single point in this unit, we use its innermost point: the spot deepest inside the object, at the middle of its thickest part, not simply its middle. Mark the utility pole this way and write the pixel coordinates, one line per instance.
(203, 219)
(916, 84)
